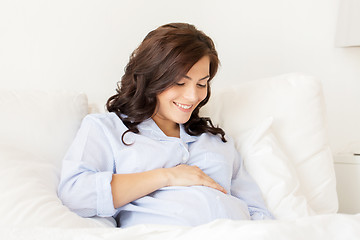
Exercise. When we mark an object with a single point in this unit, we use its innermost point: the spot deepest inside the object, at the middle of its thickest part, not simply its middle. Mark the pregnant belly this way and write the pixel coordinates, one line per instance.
(189, 206)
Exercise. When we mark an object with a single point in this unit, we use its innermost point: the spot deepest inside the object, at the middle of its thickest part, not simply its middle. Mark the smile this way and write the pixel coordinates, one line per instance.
(183, 106)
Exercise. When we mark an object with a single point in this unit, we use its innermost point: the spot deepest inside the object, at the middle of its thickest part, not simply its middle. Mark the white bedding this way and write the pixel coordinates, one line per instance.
(278, 125)
(332, 226)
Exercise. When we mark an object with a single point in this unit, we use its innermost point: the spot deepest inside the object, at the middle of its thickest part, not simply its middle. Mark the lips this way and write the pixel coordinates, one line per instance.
(183, 107)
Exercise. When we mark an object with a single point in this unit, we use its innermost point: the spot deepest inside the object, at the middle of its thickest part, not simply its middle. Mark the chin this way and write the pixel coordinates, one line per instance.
(183, 121)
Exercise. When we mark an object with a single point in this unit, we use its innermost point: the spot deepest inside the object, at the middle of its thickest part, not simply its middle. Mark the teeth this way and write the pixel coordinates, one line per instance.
(183, 106)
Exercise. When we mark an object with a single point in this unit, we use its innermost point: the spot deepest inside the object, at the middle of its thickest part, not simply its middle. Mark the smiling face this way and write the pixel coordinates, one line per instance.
(176, 103)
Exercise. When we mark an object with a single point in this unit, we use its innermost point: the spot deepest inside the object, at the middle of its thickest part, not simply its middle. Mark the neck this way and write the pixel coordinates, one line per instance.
(170, 130)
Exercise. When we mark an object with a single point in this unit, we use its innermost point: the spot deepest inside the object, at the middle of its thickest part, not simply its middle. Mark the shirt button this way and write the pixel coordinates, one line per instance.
(184, 158)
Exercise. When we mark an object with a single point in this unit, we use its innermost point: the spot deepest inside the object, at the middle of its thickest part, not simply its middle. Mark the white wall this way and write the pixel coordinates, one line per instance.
(83, 45)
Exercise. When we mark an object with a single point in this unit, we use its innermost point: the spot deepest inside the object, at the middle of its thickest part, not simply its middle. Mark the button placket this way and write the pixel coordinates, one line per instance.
(185, 150)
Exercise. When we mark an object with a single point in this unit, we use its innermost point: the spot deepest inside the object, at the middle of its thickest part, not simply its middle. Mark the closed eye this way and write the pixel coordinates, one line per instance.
(180, 84)
(202, 85)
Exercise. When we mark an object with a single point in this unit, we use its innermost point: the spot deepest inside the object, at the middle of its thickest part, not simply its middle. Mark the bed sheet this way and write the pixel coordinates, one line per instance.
(332, 226)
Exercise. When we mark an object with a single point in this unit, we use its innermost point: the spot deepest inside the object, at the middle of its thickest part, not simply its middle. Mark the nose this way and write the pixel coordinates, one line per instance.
(191, 93)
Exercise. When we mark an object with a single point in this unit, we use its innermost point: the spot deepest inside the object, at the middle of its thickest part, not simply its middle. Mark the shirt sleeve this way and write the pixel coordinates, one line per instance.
(245, 188)
(87, 172)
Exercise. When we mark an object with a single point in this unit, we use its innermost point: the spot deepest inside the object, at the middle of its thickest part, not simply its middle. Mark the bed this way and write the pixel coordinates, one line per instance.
(279, 127)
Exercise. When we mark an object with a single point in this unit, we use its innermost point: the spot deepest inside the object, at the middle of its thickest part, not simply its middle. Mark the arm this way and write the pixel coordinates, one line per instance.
(129, 187)
(126, 188)
(86, 172)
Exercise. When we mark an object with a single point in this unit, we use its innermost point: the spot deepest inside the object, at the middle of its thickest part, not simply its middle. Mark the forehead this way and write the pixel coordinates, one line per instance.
(201, 67)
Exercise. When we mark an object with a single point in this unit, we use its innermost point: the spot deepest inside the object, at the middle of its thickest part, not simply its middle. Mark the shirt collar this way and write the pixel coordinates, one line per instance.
(150, 129)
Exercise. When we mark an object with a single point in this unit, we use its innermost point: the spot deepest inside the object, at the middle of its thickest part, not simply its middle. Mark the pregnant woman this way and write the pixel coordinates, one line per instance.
(151, 158)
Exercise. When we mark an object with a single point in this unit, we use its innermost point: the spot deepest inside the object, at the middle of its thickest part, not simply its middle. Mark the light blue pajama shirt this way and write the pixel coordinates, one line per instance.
(97, 152)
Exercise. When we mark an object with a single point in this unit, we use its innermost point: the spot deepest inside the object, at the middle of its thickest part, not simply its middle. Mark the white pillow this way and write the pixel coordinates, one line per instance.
(36, 129)
(296, 103)
(28, 194)
(273, 172)
(40, 122)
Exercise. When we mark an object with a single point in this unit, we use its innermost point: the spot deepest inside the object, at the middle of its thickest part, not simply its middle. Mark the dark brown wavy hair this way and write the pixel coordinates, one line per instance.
(164, 56)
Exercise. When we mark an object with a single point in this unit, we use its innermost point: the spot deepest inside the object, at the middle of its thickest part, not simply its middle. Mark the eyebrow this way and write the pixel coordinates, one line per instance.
(187, 77)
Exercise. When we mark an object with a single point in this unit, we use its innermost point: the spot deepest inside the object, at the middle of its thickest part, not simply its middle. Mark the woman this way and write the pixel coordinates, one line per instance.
(151, 158)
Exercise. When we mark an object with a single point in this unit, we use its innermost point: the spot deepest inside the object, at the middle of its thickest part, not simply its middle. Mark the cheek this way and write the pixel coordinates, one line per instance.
(202, 95)
(166, 96)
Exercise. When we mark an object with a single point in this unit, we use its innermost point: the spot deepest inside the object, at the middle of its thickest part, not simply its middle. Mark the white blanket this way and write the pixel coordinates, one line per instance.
(332, 226)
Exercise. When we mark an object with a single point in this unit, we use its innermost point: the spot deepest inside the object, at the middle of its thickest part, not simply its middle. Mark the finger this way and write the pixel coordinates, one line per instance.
(220, 188)
(223, 190)
(215, 185)
(209, 182)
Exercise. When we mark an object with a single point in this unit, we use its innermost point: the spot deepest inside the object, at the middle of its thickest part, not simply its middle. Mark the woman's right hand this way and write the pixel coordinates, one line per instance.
(185, 175)
(129, 187)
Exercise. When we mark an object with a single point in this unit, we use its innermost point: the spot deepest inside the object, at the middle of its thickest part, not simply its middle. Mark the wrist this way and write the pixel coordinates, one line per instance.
(166, 176)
